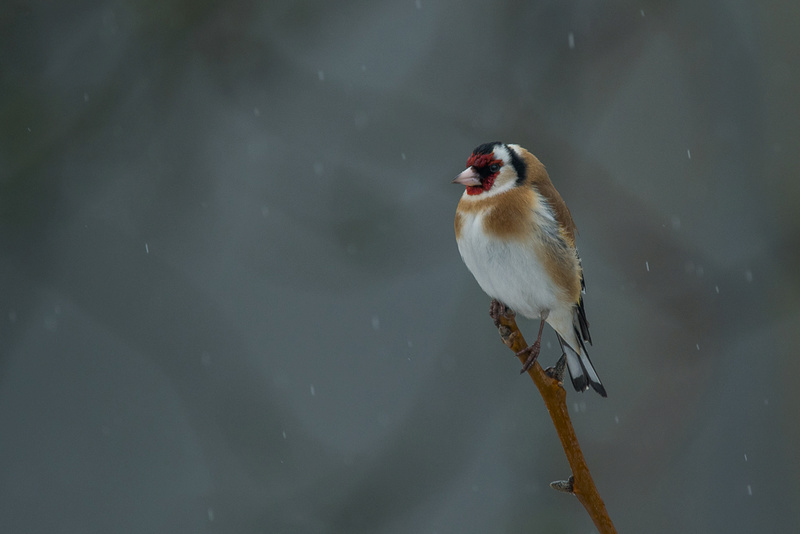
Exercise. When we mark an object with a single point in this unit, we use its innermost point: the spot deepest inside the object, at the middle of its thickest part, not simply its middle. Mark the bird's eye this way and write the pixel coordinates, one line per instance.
(494, 167)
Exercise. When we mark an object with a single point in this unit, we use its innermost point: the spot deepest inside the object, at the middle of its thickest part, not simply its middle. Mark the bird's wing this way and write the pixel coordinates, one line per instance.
(579, 321)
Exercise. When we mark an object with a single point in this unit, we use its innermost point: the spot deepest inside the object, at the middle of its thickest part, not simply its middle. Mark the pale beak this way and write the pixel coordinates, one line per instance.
(468, 177)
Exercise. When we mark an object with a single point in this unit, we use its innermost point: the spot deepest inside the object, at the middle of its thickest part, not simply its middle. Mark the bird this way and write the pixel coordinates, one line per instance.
(517, 238)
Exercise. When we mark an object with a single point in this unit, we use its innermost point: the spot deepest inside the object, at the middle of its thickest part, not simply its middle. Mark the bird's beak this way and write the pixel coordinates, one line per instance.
(468, 177)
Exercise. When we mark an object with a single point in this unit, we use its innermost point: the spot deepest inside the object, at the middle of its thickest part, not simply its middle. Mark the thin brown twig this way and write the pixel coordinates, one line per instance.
(580, 483)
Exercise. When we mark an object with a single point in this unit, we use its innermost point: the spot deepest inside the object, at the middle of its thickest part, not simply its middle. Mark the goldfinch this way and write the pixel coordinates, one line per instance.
(517, 238)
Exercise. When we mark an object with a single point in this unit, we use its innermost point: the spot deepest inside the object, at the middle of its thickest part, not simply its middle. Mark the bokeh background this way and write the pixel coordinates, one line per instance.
(231, 300)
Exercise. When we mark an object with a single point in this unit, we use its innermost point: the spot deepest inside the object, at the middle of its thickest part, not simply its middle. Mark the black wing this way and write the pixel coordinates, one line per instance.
(579, 321)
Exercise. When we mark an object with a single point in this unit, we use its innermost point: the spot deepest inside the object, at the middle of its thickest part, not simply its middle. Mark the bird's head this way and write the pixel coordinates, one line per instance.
(493, 168)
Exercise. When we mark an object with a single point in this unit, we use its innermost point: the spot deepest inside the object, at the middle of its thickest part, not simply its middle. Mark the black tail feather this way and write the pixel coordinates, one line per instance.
(581, 370)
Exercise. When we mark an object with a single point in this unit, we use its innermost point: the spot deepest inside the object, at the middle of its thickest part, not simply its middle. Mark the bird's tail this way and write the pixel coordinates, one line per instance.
(580, 367)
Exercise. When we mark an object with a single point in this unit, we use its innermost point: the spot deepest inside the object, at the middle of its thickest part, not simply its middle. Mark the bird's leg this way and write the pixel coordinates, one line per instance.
(533, 350)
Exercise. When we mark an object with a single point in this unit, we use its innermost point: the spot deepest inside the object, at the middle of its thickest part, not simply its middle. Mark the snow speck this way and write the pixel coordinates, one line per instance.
(766, 402)
(647, 266)
(256, 112)
(403, 155)
(749, 490)
(85, 97)
(313, 391)
(642, 12)
(210, 514)
(29, 129)
(12, 316)
(748, 275)
(745, 457)
(616, 419)
(376, 322)
(410, 344)
(676, 222)
(205, 359)
(321, 75)
(571, 40)
(698, 346)
(418, 3)
(283, 434)
(146, 249)
(363, 68)
(264, 211)
(318, 169)
(689, 153)
(716, 288)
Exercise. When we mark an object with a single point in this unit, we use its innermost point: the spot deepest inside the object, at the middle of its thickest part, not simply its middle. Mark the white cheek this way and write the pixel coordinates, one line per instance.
(508, 179)
(501, 153)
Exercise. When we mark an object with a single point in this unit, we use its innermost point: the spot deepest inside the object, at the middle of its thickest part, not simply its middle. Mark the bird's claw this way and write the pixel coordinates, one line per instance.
(532, 353)
(498, 309)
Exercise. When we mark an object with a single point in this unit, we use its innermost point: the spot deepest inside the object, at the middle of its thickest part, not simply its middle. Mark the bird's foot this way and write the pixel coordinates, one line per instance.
(498, 309)
(532, 353)
(557, 372)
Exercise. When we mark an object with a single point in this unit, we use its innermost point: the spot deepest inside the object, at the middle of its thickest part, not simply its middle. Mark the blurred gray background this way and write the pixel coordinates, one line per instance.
(232, 300)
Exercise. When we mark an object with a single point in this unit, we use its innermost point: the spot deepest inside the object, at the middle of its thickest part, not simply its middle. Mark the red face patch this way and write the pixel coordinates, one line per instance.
(481, 163)
(482, 160)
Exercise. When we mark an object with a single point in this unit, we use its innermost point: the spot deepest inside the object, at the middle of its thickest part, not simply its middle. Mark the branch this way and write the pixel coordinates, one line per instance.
(580, 483)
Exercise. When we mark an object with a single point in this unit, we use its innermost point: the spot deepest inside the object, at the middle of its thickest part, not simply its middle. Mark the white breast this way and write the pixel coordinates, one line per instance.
(506, 270)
